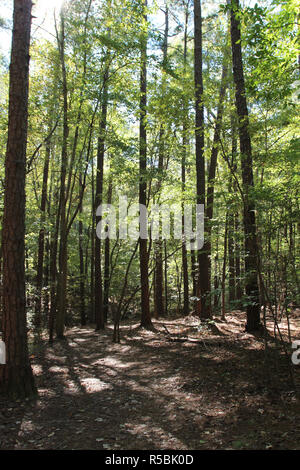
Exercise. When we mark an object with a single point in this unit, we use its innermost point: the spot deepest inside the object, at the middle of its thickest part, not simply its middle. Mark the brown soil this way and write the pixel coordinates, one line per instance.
(175, 388)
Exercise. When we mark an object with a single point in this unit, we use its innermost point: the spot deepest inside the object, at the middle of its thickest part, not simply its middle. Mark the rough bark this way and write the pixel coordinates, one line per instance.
(81, 261)
(63, 255)
(158, 247)
(41, 240)
(106, 285)
(16, 378)
(251, 260)
(183, 176)
(223, 310)
(99, 314)
(145, 307)
(213, 161)
(203, 285)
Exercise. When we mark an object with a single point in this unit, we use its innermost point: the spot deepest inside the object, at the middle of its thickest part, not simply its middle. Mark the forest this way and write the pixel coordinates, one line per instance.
(149, 225)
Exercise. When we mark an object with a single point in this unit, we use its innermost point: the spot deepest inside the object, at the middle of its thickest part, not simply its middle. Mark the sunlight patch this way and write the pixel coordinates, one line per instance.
(94, 385)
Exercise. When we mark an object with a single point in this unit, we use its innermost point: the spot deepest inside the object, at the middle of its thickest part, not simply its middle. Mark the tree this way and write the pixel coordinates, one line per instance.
(183, 166)
(16, 378)
(63, 254)
(214, 158)
(251, 260)
(203, 287)
(99, 197)
(145, 307)
(158, 274)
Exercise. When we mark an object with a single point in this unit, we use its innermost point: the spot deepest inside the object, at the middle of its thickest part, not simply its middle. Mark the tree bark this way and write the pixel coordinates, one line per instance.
(203, 284)
(81, 261)
(16, 378)
(145, 307)
(63, 256)
(158, 273)
(107, 260)
(251, 260)
(99, 314)
(183, 174)
(41, 240)
(223, 310)
(213, 161)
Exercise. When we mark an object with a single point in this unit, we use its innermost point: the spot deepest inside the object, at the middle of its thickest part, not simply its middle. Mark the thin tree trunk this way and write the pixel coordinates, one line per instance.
(213, 160)
(145, 307)
(231, 259)
(237, 261)
(158, 274)
(99, 314)
(53, 276)
(166, 279)
(41, 240)
(107, 260)
(193, 273)
(203, 284)
(81, 262)
(183, 176)
(93, 231)
(46, 277)
(65, 183)
(224, 270)
(62, 276)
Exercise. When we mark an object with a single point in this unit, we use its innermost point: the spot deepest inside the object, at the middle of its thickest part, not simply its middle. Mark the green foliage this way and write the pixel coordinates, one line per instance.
(108, 37)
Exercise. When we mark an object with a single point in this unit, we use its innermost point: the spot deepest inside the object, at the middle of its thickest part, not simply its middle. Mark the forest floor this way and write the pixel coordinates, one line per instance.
(175, 388)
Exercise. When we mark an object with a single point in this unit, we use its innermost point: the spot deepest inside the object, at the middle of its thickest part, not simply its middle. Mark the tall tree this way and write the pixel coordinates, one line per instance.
(81, 260)
(145, 307)
(158, 277)
(106, 283)
(251, 259)
(203, 285)
(16, 378)
(63, 255)
(183, 164)
(99, 314)
(214, 159)
(41, 240)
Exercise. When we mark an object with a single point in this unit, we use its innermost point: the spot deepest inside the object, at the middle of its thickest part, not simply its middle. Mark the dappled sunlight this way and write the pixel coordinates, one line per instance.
(158, 436)
(93, 385)
(150, 392)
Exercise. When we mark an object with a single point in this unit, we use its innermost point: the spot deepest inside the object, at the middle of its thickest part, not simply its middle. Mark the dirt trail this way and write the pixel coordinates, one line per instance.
(152, 393)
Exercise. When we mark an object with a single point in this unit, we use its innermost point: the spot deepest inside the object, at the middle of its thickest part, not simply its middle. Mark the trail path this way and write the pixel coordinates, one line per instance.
(152, 393)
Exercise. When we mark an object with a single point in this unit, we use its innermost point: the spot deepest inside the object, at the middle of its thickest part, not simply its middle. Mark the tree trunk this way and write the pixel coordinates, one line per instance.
(213, 161)
(107, 260)
(41, 240)
(63, 256)
(237, 260)
(231, 258)
(53, 276)
(93, 236)
(166, 278)
(81, 262)
(203, 284)
(99, 314)
(183, 176)
(145, 307)
(251, 260)
(224, 269)
(158, 274)
(16, 379)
